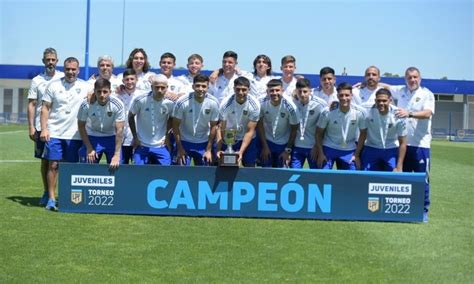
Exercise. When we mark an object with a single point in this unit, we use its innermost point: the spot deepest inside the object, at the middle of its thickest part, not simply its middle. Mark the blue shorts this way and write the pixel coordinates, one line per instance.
(374, 159)
(152, 155)
(418, 160)
(341, 157)
(62, 150)
(250, 155)
(274, 161)
(299, 156)
(127, 154)
(102, 145)
(196, 152)
(39, 145)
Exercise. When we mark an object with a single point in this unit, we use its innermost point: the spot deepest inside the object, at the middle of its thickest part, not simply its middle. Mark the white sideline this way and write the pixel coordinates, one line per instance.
(11, 132)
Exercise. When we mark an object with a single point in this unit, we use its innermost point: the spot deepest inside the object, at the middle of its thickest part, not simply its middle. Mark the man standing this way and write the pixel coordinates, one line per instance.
(100, 125)
(59, 130)
(418, 105)
(309, 109)
(153, 121)
(175, 86)
(240, 112)
(277, 126)
(195, 64)
(386, 144)
(35, 94)
(105, 65)
(195, 118)
(365, 97)
(326, 90)
(224, 85)
(126, 95)
(336, 134)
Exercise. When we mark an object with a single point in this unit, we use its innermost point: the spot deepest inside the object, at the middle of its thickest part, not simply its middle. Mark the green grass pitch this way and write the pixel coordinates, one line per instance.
(41, 246)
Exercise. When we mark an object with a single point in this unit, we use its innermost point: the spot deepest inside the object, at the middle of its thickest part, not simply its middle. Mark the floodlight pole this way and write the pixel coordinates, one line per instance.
(123, 31)
(86, 69)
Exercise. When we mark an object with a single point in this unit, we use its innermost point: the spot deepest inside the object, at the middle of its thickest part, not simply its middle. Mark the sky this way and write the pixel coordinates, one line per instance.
(435, 36)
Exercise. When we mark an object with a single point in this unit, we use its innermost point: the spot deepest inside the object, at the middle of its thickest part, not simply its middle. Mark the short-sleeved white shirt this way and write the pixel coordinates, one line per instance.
(196, 117)
(319, 93)
(238, 115)
(364, 97)
(187, 81)
(115, 82)
(100, 119)
(258, 85)
(151, 119)
(419, 130)
(277, 120)
(37, 90)
(342, 128)
(176, 86)
(126, 99)
(309, 115)
(143, 81)
(65, 99)
(289, 88)
(223, 87)
(383, 131)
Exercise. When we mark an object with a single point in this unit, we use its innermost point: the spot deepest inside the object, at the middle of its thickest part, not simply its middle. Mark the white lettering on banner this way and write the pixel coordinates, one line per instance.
(390, 188)
(89, 180)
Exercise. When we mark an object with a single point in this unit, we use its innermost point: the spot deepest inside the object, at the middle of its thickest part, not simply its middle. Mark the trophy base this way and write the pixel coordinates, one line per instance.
(229, 160)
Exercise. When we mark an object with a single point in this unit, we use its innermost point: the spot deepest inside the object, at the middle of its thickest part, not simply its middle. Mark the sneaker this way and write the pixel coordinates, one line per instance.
(44, 198)
(51, 205)
(425, 217)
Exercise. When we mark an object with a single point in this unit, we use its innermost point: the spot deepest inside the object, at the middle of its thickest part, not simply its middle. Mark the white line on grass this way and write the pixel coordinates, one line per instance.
(17, 161)
(11, 132)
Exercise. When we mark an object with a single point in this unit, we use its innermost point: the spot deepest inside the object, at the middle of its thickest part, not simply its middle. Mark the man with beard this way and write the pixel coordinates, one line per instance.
(35, 94)
(365, 96)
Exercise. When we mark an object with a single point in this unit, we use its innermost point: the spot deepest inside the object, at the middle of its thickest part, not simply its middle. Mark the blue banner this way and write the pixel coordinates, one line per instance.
(242, 192)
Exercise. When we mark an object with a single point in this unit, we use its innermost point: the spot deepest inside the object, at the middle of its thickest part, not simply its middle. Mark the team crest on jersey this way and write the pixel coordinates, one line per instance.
(163, 110)
(353, 121)
(245, 112)
(282, 114)
(172, 88)
(147, 109)
(93, 114)
(311, 112)
(207, 111)
(390, 125)
(78, 90)
(417, 99)
(109, 113)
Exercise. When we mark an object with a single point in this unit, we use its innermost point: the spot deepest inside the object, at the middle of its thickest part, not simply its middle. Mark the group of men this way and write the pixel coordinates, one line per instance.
(278, 121)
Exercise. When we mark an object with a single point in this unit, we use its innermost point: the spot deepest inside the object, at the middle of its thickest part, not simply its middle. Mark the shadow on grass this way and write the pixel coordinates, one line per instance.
(26, 201)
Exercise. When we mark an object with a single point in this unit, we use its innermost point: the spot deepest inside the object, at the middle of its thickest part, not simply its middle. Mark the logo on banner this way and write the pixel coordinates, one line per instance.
(76, 196)
(374, 204)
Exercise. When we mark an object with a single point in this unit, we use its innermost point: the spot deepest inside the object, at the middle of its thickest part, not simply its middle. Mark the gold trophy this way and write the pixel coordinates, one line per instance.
(229, 158)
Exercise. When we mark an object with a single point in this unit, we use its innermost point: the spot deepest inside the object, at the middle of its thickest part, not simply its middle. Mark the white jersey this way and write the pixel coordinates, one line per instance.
(329, 99)
(309, 115)
(223, 87)
(100, 119)
(37, 90)
(258, 85)
(187, 81)
(126, 99)
(383, 131)
(151, 119)
(143, 81)
(277, 120)
(419, 130)
(176, 86)
(66, 99)
(238, 115)
(196, 117)
(289, 88)
(342, 128)
(115, 82)
(364, 97)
